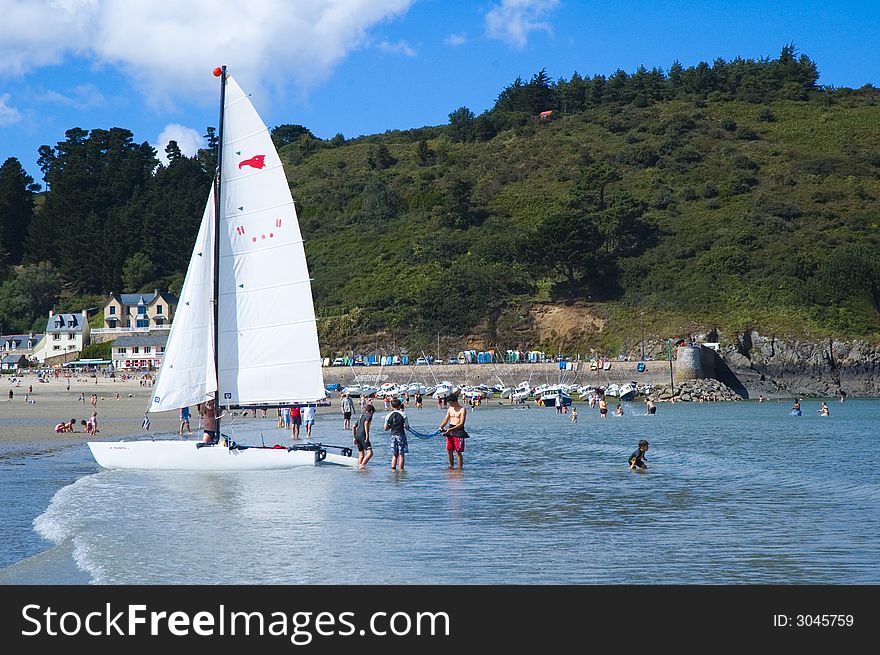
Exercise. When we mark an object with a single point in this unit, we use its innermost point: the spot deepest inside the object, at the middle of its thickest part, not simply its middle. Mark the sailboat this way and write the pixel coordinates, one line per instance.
(244, 334)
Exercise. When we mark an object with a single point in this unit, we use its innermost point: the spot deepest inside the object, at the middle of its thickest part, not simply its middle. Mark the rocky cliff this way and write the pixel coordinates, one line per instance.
(771, 365)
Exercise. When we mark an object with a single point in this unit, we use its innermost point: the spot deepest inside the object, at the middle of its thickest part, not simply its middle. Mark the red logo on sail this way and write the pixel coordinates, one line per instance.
(257, 161)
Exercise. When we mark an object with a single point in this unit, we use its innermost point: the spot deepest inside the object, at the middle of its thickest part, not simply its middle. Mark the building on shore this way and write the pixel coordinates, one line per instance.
(66, 335)
(140, 310)
(139, 351)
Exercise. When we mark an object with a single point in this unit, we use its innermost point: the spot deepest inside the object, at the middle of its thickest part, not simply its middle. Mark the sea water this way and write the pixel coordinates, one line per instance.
(735, 493)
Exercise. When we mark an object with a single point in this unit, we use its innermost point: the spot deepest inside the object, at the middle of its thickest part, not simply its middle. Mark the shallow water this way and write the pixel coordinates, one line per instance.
(736, 493)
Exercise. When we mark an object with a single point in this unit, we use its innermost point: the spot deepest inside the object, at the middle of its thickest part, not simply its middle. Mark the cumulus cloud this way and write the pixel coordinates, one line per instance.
(455, 39)
(168, 47)
(8, 115)
(512, 20)
(188, 140)
(399, 48)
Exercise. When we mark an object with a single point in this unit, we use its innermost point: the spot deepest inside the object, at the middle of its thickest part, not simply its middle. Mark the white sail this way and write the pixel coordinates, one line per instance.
(267, 342)
(187, 375)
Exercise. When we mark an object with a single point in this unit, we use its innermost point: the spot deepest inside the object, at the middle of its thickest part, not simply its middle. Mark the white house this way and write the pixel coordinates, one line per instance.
(66, 335)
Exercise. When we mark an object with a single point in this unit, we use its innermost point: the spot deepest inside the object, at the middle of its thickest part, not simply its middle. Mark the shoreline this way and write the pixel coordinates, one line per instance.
(28, 428)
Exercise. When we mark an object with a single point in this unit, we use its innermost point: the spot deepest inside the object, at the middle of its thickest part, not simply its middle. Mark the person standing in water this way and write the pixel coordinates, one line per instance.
(574, 414)
(308, 417)
(295, 421)
(347, 406)
(184, 421)
(361, 434)
(455, 433)
(650, 407)
(397, 423)
(603, 407)
(824, 411)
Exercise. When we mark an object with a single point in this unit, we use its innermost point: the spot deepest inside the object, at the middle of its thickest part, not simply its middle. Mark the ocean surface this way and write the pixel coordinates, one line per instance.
(735, 493)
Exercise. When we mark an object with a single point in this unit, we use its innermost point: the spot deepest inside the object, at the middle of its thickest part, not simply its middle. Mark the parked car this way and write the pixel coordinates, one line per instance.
(453, 360)
(339, 361)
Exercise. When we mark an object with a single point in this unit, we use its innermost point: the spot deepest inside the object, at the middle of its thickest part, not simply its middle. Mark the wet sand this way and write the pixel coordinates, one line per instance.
(29, 427)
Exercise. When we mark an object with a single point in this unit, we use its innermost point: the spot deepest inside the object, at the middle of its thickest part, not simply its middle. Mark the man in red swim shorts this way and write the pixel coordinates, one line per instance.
(455, 433)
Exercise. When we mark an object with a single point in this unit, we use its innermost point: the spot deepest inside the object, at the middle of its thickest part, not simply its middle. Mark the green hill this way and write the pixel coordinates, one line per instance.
(733, 195)
(759, 216)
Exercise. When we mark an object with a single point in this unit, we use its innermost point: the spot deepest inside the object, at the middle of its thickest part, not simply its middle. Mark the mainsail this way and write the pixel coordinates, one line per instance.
(267, 337)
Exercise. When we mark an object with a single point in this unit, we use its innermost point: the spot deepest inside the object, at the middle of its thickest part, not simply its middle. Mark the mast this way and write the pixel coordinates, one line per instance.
(217, 207)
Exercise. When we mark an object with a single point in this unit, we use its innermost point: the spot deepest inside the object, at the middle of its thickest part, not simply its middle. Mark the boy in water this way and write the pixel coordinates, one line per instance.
(396, 422)
(347, 406)
(361, 433)
(308, 419)
(637, 459)
(455, 433)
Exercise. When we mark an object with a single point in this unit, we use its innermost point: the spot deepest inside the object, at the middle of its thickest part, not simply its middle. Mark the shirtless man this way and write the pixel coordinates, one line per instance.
(455, 433)
(209, 421)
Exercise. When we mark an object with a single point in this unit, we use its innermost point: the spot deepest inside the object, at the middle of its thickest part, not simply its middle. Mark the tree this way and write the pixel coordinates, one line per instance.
(424, 154)
(461, 125)
(457, 212)
(207, 156)
(379, 203)
(567, 243)
(91, 175)
(137, 270)
(172, 151)
(17, 191)
(283, 135)
(589, 190)
(29, 295)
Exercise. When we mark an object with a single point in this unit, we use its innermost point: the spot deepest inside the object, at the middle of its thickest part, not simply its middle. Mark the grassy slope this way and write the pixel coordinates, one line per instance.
(742, 211)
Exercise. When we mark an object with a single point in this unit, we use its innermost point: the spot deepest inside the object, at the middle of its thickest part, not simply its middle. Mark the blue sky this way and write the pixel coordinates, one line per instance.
(366, 66)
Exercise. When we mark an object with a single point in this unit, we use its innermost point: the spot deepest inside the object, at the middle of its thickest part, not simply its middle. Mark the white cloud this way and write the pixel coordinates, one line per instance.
(169, 48)
(188, 140)
(85, 96)
(512, 20)
(399, 48)
(8, 115)
(455, 39)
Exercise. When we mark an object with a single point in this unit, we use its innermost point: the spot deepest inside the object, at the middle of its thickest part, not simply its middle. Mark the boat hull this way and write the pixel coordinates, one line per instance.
(188, 456)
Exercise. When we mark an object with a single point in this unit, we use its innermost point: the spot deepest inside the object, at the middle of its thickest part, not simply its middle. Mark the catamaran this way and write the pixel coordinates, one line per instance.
(244, 334)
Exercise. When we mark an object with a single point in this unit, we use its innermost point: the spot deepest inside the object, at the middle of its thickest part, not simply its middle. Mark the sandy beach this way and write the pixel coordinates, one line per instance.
(29, 427)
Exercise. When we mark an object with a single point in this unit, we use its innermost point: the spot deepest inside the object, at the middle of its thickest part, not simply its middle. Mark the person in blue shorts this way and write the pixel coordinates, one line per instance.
(184, 421)
(308, 419)
(397, 423)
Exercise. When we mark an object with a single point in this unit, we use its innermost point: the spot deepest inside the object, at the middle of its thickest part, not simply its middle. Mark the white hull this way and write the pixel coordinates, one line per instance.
(187, 456)
(552, 399)
(627, 392)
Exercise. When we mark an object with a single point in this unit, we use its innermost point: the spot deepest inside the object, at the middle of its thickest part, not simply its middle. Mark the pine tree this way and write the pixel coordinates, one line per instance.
(17, 191)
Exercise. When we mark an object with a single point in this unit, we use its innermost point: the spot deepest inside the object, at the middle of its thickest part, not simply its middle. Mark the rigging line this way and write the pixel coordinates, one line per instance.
(430, 370)
(424, 436)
